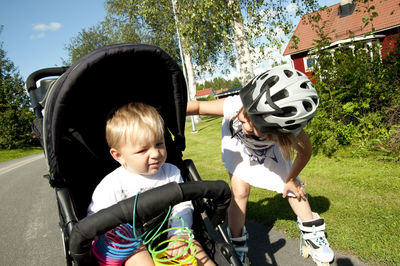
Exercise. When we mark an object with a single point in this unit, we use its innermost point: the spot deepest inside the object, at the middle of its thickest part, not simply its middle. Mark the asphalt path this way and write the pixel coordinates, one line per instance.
(30, 234)
(29, 217)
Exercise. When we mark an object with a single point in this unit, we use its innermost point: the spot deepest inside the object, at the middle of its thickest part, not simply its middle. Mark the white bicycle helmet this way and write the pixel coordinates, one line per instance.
(281, 100)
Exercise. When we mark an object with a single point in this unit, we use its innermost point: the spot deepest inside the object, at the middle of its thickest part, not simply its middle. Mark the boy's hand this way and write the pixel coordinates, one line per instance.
(297, 188)
(178, 247)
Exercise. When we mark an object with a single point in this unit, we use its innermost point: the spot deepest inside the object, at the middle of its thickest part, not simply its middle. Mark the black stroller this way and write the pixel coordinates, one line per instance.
(71, 105)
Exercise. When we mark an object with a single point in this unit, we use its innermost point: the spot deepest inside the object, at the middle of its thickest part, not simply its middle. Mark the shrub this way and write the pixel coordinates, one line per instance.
(359, 99)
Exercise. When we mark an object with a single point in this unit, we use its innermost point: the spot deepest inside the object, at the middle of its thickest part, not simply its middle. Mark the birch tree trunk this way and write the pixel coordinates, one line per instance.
(190, 74)
(241, 44)
(191, 82)
(187, 66)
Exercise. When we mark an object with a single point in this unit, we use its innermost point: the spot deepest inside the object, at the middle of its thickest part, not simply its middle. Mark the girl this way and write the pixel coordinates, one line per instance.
(262, 128)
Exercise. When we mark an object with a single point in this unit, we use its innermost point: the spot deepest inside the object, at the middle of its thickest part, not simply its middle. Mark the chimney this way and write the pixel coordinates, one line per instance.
(346, 8)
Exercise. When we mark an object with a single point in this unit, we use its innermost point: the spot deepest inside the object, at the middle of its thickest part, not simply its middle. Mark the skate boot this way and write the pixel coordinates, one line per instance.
(240, 246)
(313, 241)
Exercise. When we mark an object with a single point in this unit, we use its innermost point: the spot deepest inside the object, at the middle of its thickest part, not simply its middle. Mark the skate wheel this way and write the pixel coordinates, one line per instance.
(304, 252)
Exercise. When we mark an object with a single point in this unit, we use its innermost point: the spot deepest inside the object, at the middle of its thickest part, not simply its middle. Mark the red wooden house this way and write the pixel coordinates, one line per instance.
(344, 23)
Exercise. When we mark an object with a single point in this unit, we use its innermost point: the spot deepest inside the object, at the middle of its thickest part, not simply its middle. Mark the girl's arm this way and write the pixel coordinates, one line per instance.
(304, 150)
(206, 107)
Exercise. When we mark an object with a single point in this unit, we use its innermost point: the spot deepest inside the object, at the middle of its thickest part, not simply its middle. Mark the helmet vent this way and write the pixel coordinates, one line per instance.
(292, 127)
(304, 85)
(315, 100)
(287, 112)
(280, 95)
(288, 73)
(307, 106)
(289, 122)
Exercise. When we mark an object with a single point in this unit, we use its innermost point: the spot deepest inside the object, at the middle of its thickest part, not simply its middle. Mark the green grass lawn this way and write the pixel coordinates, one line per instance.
(6, 155)
(358, 197)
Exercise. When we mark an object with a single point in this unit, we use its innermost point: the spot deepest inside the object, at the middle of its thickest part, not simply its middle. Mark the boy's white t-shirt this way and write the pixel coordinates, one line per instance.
(259, 163)
(122, 184)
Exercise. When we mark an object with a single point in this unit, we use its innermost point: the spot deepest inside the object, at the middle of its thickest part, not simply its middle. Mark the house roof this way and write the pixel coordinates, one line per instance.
(204, 92)
(229, 92)
(345, 27)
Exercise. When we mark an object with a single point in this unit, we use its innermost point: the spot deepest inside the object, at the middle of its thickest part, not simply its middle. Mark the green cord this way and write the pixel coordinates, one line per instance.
(145, 233)
(146, 239)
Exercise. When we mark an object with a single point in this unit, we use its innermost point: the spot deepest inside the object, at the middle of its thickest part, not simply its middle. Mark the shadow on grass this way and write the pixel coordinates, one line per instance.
(269, 210)
(262, 245)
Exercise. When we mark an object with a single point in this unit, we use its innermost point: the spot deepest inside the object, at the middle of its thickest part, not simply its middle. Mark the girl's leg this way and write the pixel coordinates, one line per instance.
(301, 208)
(312, 228)
(237, 208)
(140, 257)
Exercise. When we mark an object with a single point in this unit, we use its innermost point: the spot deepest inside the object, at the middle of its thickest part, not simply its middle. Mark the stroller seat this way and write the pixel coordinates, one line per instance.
(71, 117)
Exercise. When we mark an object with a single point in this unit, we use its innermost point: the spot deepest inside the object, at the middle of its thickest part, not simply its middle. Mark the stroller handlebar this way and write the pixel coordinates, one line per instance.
(149, 204)
(43, 73)
(32, 88)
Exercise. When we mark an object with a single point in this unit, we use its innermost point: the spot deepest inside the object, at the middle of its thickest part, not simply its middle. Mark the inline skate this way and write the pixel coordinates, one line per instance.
(240, 245)
(313, 241)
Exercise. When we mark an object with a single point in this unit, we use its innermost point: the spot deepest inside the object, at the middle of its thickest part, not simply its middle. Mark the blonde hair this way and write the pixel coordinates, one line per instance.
(286, 142)
(134, 122)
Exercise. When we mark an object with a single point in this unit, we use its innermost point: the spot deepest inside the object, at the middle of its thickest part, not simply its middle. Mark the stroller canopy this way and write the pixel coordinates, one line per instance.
(79, 102)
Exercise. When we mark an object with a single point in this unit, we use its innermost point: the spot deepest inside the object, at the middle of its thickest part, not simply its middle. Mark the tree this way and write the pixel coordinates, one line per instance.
(207, 29)
(161, 22)
(15, 116)
(262, 26)
(219, 83)
(237, 30)
(98, 36)
(86, 41)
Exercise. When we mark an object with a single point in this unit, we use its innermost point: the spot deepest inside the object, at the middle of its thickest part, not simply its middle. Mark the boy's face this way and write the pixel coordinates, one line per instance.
(144, 158)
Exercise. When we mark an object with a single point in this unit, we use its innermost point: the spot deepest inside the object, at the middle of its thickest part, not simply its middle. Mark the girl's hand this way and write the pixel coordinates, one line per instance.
(296, 187)
(178, 247)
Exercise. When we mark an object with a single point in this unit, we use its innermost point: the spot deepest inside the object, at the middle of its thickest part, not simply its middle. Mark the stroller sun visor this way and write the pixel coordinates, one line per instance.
(80, 100)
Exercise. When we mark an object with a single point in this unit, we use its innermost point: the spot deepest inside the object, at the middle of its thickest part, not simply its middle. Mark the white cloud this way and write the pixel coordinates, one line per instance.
(52, 26)
(42, 28)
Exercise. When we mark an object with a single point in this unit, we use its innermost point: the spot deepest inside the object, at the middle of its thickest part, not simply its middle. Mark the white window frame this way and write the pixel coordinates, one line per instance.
(306, 59)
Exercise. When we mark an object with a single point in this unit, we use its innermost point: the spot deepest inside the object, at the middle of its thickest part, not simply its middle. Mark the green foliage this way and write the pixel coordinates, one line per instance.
(149, 21)
(206, 28)
(87, 41)
(219, 83)
(15, 116)
(359, 97)
(208, 98)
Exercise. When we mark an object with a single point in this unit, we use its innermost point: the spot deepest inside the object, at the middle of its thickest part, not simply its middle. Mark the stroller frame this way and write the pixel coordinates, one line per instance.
(71, 111)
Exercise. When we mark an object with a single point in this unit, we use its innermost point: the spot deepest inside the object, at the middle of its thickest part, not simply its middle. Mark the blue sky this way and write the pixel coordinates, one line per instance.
(35, 32)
